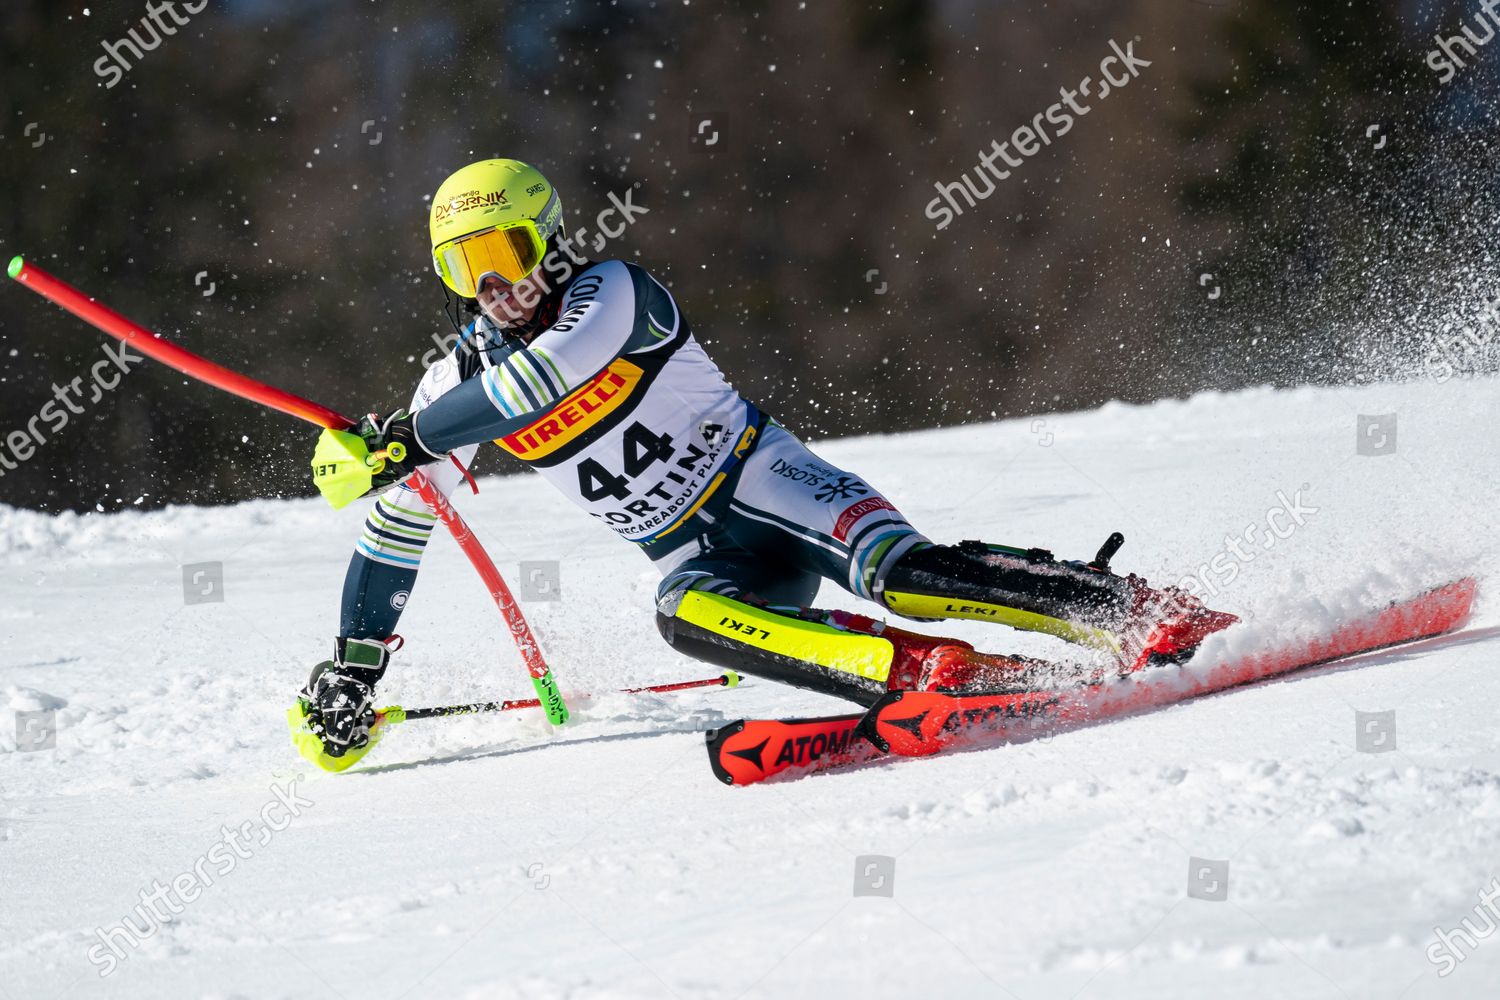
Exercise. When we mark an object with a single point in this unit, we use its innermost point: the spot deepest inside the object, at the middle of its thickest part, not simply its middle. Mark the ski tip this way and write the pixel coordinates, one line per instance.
(16, 264)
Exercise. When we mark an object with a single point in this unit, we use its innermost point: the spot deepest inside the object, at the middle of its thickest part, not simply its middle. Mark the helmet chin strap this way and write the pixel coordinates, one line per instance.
(454, 307)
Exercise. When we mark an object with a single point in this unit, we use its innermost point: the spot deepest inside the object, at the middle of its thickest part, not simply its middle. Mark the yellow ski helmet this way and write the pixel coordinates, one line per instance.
(491, 217)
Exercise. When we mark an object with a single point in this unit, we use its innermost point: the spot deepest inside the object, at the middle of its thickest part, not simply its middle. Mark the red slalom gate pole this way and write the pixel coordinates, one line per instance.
(105, 319)
(396, 713)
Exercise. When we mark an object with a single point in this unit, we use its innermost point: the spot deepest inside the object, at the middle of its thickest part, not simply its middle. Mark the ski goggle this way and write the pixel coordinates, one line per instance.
(511, 251)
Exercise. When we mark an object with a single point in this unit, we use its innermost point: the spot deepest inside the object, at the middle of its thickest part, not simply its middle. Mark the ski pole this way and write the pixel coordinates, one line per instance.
(395, 713)
(152, 345)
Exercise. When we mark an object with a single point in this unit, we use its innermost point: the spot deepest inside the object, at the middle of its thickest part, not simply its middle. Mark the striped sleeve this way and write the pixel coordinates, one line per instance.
(526, 381)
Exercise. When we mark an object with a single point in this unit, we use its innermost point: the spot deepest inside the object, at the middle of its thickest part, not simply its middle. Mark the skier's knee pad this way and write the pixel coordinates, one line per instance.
(802, 651)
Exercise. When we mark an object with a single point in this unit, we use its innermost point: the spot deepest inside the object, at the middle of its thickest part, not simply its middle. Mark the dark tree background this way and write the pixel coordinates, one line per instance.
(1250, 150)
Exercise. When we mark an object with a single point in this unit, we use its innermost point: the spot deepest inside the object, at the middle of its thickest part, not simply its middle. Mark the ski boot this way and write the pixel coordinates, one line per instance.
(333, 723)
(1029, 589)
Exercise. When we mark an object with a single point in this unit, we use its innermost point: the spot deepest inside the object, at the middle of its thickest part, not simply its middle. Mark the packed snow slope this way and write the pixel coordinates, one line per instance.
(491, 858)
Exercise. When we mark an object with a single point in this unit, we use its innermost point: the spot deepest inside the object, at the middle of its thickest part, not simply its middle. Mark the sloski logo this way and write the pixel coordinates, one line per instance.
(843, 488)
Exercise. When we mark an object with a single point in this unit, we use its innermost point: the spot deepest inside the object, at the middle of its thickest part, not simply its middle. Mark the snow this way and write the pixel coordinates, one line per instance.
(490, 857)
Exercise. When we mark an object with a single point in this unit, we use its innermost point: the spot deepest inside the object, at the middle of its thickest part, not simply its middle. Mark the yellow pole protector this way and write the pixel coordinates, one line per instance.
(343, 468)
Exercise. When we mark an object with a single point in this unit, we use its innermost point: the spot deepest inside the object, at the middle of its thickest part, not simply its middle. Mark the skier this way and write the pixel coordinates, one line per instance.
(589, 373)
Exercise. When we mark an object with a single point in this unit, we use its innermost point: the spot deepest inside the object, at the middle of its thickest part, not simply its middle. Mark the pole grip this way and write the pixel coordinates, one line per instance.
(1107, 551)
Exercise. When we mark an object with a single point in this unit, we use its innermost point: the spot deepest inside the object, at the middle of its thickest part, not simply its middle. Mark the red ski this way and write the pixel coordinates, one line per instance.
(754, 749)
(919, 723)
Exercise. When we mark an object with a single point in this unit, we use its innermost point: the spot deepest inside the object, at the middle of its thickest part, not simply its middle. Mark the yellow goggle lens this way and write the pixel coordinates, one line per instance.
(512, 253)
